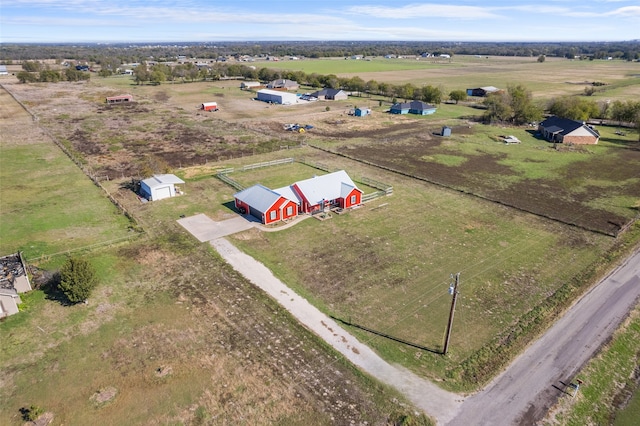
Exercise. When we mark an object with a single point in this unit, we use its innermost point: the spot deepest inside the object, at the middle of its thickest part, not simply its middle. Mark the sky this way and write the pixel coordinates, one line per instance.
(144, 21)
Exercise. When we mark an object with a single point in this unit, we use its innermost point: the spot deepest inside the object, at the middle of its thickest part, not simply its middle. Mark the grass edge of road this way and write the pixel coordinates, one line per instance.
(609, 381)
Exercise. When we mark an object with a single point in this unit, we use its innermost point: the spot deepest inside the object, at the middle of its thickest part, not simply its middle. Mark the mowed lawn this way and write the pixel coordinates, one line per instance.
(47, 204)
(387, 266)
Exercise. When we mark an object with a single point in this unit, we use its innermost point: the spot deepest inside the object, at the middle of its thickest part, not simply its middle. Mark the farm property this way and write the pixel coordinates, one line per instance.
(529, 226)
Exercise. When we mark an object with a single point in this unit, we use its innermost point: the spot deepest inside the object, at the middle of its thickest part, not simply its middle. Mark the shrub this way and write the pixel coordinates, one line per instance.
(32, 413)
(77, 279)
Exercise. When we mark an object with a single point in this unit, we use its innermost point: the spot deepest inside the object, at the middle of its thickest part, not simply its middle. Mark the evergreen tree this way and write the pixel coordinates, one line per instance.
(77, 279)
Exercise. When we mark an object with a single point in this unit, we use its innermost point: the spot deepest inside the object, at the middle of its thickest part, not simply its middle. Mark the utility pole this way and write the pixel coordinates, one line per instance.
(453, 290)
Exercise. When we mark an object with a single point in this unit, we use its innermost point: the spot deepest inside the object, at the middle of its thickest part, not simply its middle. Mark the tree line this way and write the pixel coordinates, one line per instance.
(139, 52)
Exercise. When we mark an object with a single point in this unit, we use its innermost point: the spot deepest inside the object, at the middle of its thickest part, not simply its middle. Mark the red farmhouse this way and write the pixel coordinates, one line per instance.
(265, 204)
(307, 196)
(334, 189)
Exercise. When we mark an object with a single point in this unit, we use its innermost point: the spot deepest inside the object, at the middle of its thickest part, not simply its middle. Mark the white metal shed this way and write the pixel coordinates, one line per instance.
(158, 187)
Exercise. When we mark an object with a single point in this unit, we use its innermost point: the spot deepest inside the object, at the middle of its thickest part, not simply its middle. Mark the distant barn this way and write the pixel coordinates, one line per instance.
(482, 91)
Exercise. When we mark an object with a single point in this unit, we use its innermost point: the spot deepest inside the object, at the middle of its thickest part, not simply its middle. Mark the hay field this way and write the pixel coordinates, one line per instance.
(554, 77)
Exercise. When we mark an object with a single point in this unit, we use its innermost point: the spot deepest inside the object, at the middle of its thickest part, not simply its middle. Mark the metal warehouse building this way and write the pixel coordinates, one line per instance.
(277, 97)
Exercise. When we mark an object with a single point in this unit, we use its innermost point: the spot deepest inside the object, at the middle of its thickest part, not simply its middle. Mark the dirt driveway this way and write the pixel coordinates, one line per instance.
(438, 403)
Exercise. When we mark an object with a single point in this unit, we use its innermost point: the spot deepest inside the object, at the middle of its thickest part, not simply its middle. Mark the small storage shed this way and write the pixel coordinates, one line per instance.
(277, 97)
(209, 106)
(119, 99)
(362, 112)
(160, 186)
(446, 131)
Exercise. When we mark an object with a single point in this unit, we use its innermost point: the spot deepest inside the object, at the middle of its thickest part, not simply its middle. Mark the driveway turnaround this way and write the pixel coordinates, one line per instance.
(438, 403)
(204, 228)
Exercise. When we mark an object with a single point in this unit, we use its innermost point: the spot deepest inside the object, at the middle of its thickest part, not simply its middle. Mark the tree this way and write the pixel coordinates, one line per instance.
(541, 58)
(31, 66)
(77, 279)
(458, 95)
(521, 101)
(141, 74)
(515, 106)
(574, 108)
(432, 95)
(27, 77)
(498, 107)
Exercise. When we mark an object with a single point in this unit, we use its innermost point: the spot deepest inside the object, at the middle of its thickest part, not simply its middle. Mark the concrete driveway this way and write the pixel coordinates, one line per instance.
(204, 228)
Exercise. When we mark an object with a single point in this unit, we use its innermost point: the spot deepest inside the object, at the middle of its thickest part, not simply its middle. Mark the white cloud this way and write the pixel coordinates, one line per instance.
(627, 11)
(423, 11)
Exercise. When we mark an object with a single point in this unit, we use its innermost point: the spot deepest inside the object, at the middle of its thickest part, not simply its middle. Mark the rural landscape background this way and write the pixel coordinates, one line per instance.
(173, 335)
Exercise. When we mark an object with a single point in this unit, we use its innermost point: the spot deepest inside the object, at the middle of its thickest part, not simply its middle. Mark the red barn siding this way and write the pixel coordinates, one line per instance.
(346, 202)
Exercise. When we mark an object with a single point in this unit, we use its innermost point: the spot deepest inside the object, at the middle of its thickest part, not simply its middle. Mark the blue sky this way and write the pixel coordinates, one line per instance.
(78, 21)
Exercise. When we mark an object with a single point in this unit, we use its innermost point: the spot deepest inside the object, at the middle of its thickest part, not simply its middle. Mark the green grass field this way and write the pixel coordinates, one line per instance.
(169, 301)
(554, 77)
(49, 206)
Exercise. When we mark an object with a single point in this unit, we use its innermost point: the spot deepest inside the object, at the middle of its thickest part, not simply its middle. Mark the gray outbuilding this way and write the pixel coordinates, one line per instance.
(277, 97)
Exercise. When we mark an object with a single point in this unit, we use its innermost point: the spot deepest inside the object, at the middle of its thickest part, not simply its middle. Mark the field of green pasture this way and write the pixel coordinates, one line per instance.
(48, 205)
(159, 324)
(387, 266)
(554, 77)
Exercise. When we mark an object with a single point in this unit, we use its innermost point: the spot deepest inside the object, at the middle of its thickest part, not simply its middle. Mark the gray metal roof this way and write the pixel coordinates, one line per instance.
(258, 197)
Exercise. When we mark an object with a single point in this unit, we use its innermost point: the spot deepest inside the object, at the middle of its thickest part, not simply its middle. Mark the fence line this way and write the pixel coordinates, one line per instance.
(267, 164)
(77, 161)
(226, 179)
(614, 234)
(316, 165)
(89, 247)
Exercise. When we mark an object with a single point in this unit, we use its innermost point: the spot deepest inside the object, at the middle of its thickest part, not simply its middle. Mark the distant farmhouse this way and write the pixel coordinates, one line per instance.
(413, 107)
(563, 130)
(330, 94)
(306, 196)
(283, 84)
(482, 91)
(13, 280)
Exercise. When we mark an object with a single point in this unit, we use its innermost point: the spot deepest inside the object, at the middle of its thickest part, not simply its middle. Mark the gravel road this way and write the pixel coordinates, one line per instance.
(524, 393)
